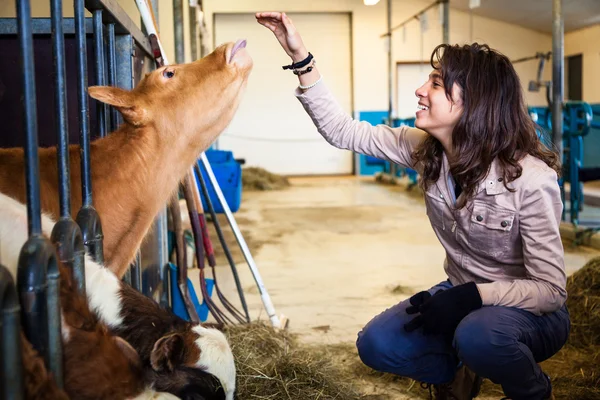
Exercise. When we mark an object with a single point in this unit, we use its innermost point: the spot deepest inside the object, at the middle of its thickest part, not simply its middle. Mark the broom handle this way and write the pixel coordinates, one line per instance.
(151, 28)
(266, 299)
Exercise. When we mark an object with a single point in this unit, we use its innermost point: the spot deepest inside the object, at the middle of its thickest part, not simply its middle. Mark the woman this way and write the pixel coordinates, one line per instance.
(493, 200)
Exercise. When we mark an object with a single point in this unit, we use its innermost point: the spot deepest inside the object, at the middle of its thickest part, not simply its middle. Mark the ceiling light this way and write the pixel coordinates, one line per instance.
(370, 2)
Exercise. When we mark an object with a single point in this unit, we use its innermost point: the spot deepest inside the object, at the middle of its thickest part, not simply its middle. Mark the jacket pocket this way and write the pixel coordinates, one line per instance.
(490, 229)
(435, 208)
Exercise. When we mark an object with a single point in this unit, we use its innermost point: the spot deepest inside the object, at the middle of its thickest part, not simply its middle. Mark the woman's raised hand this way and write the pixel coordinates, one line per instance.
(285, 32)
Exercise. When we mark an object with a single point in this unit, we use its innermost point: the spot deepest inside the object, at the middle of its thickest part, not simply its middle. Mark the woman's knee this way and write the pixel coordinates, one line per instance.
(379, 350)
(478, 339)
(372, 348)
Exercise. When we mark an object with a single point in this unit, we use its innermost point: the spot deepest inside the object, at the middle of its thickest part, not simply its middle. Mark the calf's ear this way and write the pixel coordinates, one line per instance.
(167, 352)
(123, 100)
(128, 351)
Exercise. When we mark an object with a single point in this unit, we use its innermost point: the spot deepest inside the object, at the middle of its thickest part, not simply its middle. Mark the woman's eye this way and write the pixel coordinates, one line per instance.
(168, 73)
(436, 84)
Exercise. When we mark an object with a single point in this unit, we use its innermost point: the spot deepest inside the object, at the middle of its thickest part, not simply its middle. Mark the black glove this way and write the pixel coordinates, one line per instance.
(442, 312)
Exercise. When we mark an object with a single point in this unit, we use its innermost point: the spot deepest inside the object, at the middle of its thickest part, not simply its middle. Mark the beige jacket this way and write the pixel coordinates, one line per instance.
(506, 242)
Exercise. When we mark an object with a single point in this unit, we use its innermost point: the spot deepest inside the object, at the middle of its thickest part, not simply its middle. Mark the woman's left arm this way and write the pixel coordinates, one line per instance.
(544, 290)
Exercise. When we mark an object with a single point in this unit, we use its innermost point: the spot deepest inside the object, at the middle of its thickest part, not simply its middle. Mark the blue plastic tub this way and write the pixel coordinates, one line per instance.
(228, 173)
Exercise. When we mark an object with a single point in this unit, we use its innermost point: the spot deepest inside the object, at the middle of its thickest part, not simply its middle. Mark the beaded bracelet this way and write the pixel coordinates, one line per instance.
(311, 85)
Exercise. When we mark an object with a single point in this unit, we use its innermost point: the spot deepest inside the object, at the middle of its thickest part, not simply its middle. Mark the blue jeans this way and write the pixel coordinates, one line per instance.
(503, 344)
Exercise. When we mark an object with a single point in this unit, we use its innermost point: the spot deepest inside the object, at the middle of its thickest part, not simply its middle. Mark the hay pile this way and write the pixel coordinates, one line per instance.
(575, 370)
(255, 178)
(583, 289)
(274, 365)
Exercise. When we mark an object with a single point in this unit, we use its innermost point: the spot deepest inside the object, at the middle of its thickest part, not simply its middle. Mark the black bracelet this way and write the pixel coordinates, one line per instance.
(306, 71)
(299, 64)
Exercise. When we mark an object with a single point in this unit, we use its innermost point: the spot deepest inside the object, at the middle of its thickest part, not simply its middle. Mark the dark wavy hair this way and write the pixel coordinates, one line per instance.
(494, 123)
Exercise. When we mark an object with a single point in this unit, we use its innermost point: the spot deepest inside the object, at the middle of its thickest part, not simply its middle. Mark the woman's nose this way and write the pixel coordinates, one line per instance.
(420, 92)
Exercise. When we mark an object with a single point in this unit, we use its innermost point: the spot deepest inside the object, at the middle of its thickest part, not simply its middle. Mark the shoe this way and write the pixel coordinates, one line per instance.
(548, 396)
(465, 386)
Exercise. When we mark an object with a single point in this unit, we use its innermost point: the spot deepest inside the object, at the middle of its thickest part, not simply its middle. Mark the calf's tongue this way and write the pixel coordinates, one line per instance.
(240, 44)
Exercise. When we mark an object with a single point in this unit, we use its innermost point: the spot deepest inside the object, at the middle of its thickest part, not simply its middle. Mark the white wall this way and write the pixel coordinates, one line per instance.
(370, 76)
(587, 42)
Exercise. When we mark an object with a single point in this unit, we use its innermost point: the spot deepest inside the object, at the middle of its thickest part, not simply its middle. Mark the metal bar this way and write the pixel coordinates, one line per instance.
(34, 222)
(112, 72)
(114, 13)
(390, 69)
(557, 75)
(87, 217)
(66, 235)
(393, 166)
(545, 56)
(124, 71)
(178, 23)
(193, 33)
(10, 333)
(446, 21)
(37, 273)
(60, 98)
(84, 118)
(99, 53)
(415, 16)
(8, 26)
(136, 272)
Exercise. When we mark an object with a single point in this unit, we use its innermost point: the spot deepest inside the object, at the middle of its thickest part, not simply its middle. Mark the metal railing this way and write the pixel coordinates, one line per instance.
(119, 52)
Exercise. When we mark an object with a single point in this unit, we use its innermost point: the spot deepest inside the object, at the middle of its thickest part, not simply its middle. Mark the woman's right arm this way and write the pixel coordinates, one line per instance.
(344, 132)
(336, 126)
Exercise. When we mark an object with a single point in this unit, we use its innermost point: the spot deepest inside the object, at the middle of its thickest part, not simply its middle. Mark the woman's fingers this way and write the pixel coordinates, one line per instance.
(289, 26)
(268, 24)
(274, 15)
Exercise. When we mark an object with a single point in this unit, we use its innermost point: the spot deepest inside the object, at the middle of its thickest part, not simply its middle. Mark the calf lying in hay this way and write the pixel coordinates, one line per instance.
(274, 365)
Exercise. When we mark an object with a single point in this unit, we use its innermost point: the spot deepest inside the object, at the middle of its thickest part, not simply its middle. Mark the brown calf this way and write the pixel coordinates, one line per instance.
(188, 360)
(174, 114)
(37, 382)
(97, 365)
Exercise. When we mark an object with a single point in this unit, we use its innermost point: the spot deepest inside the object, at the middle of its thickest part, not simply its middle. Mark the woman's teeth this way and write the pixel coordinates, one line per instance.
(420, 107)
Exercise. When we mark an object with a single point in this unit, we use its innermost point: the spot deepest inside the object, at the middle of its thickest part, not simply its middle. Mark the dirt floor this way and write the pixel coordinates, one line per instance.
(334, 252)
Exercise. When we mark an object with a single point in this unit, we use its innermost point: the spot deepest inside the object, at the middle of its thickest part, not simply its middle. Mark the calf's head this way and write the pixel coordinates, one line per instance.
(194, 363)
(193, 101)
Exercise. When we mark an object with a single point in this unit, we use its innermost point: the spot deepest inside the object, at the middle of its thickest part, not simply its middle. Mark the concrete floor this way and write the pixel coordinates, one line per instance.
(332, 250)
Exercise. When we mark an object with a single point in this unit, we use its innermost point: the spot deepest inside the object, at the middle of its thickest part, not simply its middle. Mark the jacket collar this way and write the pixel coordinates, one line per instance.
(492, 183)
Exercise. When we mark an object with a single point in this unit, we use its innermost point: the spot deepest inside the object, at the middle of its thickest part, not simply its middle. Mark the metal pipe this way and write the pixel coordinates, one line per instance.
(136, 272)
(38, 280)
(557, 75)
(178, 24)
(99, 53)
(84, 117)
(446, 21)
(390, 69)
(221, 237)
(87, 218)
(415, 16)
(10, 333)
(266, 299)
(193, 33)
(393, 166)
(37, 272)
(112, 72)
(66, 235)
(34, 222)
